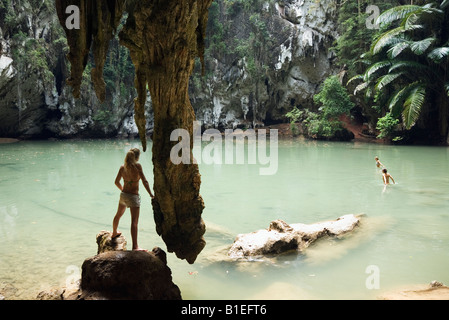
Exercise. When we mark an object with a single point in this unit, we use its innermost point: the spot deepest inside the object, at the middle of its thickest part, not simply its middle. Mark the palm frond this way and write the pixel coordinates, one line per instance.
(438, 54)
(412, 66)
(419, 47)
(397, 100)
(410, 21)
(396, 50)
(413, 105)
(444, 4)
(387, 39)
(375, 68)
(356, 77)
(387, 79)
(360, 87)
(396, 13)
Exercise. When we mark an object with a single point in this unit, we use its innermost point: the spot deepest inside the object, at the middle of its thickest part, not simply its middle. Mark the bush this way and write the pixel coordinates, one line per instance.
(334, 98)
(386, 125)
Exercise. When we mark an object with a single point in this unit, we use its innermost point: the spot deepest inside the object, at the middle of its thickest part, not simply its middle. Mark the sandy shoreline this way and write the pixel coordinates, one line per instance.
(433, 291)
(8, 140)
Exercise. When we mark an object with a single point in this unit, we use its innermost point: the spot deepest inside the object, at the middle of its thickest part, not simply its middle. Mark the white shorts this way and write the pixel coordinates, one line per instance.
(130, 200)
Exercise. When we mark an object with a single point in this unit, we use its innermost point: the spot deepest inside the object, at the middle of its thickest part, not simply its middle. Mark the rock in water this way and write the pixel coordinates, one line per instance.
(281, 237)
(136, 275)
(106, 243)
(115, 273)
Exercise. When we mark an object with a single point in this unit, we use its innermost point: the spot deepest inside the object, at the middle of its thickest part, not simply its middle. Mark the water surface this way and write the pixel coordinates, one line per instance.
(56, 196)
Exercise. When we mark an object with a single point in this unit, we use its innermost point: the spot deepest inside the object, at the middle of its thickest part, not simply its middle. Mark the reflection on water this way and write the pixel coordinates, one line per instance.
(56, 196)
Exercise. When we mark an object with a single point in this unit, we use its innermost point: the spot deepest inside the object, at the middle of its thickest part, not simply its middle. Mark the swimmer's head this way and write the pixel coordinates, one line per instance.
(384, 170)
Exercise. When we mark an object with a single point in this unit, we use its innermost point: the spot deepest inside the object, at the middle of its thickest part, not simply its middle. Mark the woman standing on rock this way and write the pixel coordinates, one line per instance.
(131, 172)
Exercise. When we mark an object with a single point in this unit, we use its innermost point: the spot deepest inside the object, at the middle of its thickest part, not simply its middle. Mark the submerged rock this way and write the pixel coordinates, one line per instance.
(281, 237)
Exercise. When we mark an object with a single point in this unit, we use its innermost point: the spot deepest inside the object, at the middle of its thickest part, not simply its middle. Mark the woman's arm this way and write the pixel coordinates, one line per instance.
(118, 178)
(144, 180)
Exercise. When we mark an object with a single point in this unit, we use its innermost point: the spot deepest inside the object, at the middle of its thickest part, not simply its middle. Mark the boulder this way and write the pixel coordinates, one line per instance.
(281, 237)
(136, 275)
(119, 274)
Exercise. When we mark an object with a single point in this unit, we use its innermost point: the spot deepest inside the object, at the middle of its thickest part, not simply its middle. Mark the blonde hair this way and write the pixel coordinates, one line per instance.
(131, 158)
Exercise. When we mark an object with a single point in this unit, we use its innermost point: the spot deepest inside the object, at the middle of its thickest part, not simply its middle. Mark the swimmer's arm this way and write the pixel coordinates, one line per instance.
(144, 180)
(392, 179)
(117, 179)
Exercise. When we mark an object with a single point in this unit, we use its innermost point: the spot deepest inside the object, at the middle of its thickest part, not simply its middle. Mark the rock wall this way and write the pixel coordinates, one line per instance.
(240, 89)
(292, 62)
(35, 101)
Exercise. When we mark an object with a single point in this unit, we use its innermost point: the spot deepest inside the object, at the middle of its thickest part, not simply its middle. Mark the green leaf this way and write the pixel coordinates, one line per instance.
(412, 105)
(396, 13)
(419, 47)
(387, 39)
(397, 100)
(438, 54)
(444, 4)
(412, 66)
(375, 68)
(360, 87)
(396, 50)
(387, 79)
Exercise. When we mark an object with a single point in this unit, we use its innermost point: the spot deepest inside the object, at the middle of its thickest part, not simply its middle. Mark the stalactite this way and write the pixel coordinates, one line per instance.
(163, 37)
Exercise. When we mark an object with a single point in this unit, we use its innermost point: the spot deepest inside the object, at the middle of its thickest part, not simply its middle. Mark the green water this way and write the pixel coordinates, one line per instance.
(56, 196)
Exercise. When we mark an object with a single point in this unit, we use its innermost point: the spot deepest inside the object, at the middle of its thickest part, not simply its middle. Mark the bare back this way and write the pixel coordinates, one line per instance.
(131, 179)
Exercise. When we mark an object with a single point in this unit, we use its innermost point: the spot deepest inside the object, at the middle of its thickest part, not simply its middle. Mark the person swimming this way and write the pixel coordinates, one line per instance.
(131, 172)
(386, 177)
(378, 163)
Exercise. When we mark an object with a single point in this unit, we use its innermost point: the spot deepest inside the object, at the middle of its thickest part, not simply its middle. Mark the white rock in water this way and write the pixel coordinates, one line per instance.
(281, 237)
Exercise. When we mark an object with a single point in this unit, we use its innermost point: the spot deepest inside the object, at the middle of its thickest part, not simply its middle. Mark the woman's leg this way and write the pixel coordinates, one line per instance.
(120, 210)
(135, 212)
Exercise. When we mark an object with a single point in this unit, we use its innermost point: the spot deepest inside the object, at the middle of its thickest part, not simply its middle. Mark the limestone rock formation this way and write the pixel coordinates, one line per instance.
(284, 72)
(293, 61)
(115, 273)
(281, 237)
(163, 38)
(135, 275)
